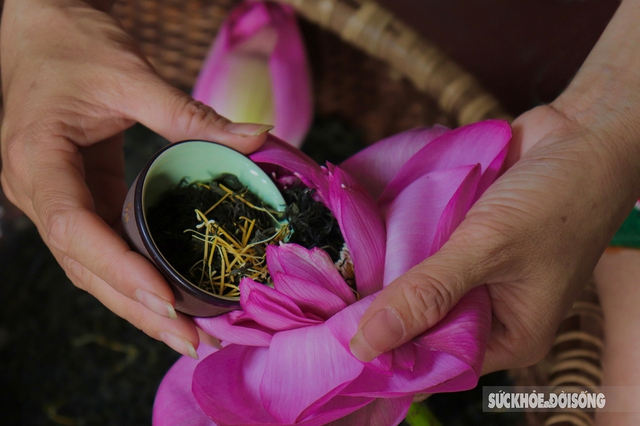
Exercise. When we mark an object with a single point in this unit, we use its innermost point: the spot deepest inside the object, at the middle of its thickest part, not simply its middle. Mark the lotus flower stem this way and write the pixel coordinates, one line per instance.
(420, 415)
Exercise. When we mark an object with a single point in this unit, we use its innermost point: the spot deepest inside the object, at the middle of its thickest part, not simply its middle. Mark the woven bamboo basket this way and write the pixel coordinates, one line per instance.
(381, 76)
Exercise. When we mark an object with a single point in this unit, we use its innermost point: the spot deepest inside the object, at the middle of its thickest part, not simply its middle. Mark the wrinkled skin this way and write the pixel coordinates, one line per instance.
(536, 235)
(73, 80)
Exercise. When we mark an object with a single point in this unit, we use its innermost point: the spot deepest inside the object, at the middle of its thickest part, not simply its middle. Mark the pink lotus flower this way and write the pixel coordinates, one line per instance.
(257, 71)
(286, 358)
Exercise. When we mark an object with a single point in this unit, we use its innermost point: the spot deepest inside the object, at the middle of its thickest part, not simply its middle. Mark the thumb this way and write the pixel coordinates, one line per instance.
(417, 300)
(176, 116)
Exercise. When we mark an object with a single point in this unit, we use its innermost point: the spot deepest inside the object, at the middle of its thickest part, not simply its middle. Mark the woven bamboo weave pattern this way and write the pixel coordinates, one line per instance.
(573, 365)
(371, 28)
(175, 35)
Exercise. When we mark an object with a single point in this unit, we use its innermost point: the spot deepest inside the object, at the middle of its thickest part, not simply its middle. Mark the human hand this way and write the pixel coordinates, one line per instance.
(533, 238)
(73, 80)
(535, 235)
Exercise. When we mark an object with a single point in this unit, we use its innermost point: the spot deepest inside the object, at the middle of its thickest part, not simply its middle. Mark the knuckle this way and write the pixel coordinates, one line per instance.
(197, 115)
(78, 275)
(117, 275)
(59, 225)
(427, 299)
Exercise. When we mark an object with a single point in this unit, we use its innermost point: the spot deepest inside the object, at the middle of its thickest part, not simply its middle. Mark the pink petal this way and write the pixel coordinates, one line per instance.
(174, 403)
(423, 216)
(241, 404)
(305, 368)
(278, 153)
(375, 166)
(355, 210)
(449, 356)
(313, 265)
(236, 327)
(464, 332)
(404, 357)
(309, 295)
(432, 368)
(257, 70)
(456, 210)
(226, 386)
(344, 325)
(381, 412)
(291, 81)
(483, 143)
(271, 309)
(336, 408)
(362, 229)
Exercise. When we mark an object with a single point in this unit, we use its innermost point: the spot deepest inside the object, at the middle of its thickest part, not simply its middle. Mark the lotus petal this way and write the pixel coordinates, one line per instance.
(236, 327)
(333, 410)
(432, 368)
(375, 166)
(344, 325)
(422, 216)
(226, 385)
(448, 358)
(353, 208)
(313, 265)
(276, 152)
(174, 403)
(291, 82)
(257, 70)
(270, 308)
(483, 143)
(464, 332)
(404, 357)
(293, 383)
(381, 412)
(226, 388)
(362, 229)
(309, 296)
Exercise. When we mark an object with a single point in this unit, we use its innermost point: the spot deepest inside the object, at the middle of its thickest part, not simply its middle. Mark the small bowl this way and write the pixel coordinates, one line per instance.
(196, 161)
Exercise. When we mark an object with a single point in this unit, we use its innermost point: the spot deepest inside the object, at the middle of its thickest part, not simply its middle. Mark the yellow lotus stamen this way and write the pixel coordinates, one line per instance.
(206, 248)
(232, 249)
(222, 269)
(217, 204)
(214, 245)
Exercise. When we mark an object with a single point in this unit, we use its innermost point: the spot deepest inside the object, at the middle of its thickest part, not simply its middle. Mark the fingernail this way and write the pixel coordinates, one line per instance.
(247, 129)
(155, 303)
(178, 344)
(208, 339)
(383, 330)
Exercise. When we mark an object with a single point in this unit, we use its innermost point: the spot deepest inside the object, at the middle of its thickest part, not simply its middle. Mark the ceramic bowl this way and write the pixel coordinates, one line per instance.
(196, 161)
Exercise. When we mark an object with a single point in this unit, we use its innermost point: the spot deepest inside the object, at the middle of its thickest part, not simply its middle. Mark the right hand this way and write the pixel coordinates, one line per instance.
(73, 80)
(536, 234)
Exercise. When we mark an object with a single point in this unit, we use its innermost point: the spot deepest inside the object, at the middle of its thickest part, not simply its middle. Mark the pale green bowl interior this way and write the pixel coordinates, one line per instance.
(203, 161)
